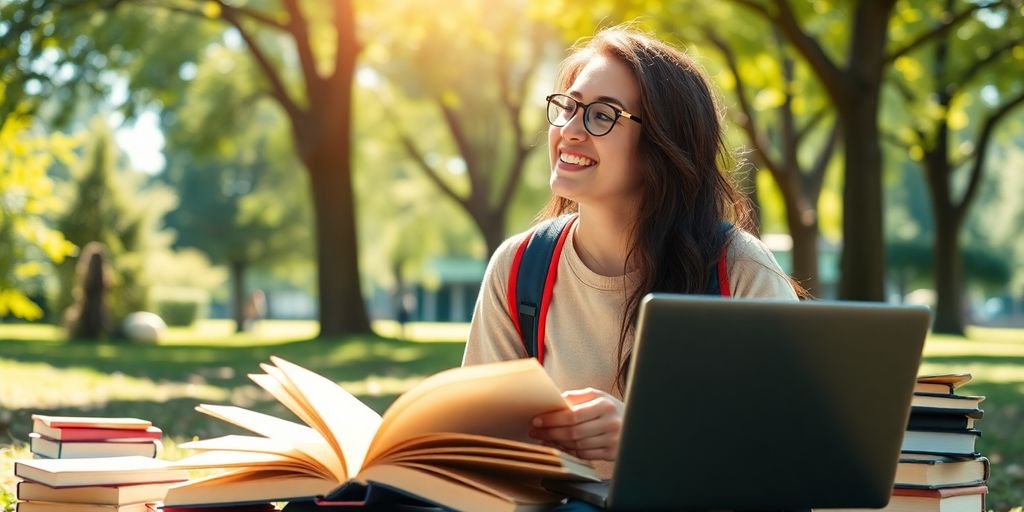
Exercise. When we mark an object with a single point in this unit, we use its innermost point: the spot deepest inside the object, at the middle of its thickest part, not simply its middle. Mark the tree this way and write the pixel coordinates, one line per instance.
(478, 92)
(779, 141)
(27, 200)
(854, 87)
(317, 104)
(111, 207)
(230, 159)
(944, 139)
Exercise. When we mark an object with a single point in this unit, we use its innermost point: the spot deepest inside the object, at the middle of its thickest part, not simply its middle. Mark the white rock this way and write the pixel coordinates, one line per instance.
(143, 326)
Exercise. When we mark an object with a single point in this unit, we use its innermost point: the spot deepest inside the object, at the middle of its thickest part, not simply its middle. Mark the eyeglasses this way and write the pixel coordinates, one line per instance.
(598, 117)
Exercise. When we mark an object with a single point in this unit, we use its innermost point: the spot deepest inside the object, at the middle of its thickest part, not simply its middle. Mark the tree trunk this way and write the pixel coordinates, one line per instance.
(803, 228)
(492, 226)
(342, 310)
(948, 278)
(863, 254)
(238, 294)
(948, 271)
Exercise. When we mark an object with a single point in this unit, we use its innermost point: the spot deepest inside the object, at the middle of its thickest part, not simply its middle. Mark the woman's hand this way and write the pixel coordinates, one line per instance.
(590, 429)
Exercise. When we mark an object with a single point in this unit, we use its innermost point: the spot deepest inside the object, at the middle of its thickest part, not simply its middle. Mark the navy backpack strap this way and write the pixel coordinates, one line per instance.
(718, 281)
(532, 279)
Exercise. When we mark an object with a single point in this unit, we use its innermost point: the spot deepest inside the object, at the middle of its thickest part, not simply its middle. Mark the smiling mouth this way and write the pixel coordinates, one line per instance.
(575, 159)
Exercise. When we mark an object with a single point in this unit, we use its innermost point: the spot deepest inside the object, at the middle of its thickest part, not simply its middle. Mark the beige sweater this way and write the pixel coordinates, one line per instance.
(585, 314)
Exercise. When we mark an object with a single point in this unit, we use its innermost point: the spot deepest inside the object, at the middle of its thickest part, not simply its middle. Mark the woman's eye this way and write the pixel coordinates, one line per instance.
(605, 117)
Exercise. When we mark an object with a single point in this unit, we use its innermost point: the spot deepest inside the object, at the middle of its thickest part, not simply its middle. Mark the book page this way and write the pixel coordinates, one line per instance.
(310, 453)
(248, 460)
(262, 424)
(247, 486)
(340, 417)
(498, 399)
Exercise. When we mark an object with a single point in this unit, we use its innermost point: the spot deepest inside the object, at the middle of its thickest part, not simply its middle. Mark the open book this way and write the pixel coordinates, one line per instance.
(458, 439)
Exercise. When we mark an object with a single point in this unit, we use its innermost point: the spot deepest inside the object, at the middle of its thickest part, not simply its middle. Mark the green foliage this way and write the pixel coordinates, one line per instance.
(178, 313)
(28, 242)
(55, 55)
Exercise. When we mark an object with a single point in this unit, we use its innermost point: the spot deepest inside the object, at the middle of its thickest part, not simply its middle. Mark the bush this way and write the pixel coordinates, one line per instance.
(178, 313)
(180, 307)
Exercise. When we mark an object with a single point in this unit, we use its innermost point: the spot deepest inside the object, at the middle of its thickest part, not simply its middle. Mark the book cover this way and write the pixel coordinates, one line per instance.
(95, 434)
(88, 449)
(91, 422)
(49, 506)
(957, 442)
(939, 421)
(941, 472)
(459, 438)
(93, 494)
(97, 471)
(946, 383)
(946, 401)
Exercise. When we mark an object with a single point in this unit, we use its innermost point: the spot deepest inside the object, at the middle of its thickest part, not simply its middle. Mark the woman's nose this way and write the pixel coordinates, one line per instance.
(575, 128)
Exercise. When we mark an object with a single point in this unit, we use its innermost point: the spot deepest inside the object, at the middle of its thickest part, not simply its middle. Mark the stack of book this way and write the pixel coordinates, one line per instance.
(939, 467)
(109, 484)
(75, 437)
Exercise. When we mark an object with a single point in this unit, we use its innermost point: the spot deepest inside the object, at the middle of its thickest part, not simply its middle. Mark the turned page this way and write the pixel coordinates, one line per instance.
(497, 400)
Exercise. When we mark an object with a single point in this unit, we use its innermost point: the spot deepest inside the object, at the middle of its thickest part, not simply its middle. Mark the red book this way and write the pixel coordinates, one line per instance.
(951, 499)
(90, 422)
(96, 434)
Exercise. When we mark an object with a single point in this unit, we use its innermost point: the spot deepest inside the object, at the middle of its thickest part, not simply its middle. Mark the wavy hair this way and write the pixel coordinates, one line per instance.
(676, 235)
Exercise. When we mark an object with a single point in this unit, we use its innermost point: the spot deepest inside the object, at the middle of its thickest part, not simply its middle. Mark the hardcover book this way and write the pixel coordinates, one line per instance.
(95, 494)
(95, 434)
(459, 438)
(90, 422)
(89, 449)
(941, 472)
(98, 471)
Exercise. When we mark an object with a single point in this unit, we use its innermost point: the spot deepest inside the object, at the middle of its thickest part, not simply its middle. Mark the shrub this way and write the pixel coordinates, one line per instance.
(178, 312)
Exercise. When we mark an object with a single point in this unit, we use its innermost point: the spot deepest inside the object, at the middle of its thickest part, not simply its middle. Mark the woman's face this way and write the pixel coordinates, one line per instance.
(598, 170)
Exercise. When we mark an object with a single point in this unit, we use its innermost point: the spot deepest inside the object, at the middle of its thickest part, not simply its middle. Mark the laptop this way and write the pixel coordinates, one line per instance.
(763, 405)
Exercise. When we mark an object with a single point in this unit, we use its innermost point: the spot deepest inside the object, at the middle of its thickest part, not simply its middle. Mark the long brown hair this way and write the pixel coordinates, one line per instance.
(685, 195)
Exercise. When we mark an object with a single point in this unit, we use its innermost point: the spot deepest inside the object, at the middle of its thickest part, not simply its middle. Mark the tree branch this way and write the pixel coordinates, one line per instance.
(277, 89)
(299, 30)
(421, 161)
(943, 28)
(748, 122)
(802, 132)
(979, 163)
(513, 103)
(979, 64)
(814, 179)
(254, 15)
(345, 42)
(829, 74)
(466, 149)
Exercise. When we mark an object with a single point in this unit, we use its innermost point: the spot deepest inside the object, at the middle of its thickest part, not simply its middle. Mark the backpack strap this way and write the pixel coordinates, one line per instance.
(718, 282)
(535, 268)
(532, 279)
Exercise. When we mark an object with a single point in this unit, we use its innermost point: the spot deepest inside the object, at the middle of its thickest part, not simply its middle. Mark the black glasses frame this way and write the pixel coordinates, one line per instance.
(619, 113)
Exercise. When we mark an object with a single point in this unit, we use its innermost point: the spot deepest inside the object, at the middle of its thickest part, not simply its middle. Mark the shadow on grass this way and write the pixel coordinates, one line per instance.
(347, 359)
(352, 359)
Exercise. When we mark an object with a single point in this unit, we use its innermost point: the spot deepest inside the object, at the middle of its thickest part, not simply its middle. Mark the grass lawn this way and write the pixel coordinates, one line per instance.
(162, 383)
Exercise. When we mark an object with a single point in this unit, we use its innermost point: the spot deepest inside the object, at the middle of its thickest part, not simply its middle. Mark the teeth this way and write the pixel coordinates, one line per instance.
(575, 159)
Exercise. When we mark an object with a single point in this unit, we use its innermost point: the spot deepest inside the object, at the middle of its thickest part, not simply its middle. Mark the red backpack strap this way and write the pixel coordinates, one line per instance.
(532, 280)
(723, 271)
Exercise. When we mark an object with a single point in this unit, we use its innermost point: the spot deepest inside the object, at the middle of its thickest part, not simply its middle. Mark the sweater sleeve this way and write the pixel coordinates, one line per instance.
(492, 334)
(754, 272)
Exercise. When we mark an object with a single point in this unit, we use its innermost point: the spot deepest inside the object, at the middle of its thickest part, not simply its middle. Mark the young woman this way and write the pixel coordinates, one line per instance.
(636, 153)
